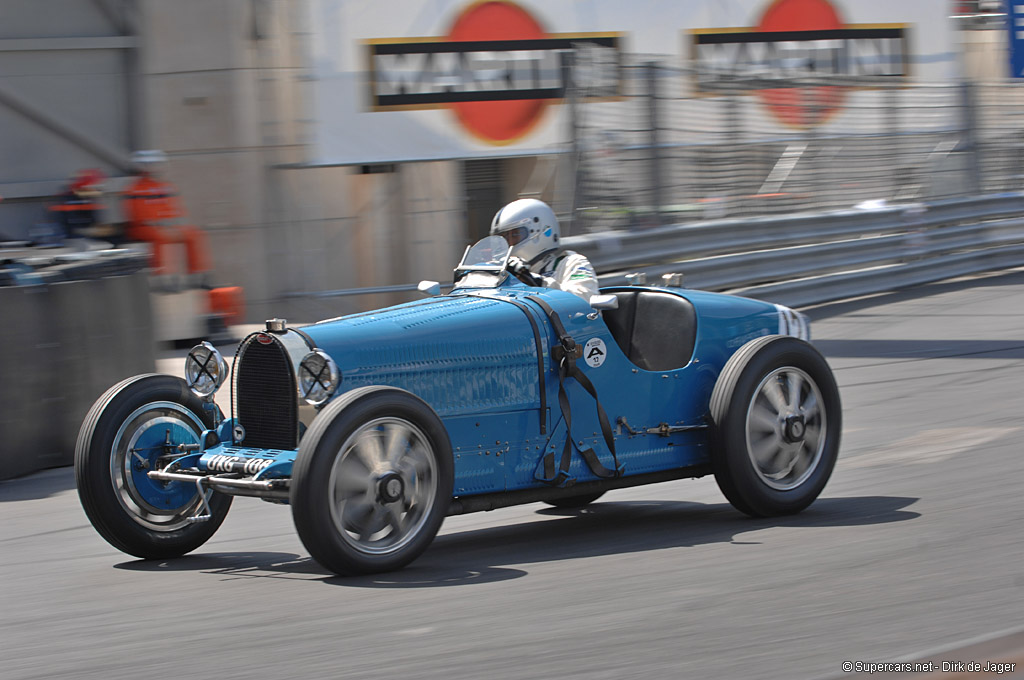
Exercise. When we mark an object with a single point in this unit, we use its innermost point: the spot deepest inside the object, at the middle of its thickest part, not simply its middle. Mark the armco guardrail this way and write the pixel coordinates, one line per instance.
(843, 285)
(814, 258)
(808, 259)
(616, 250)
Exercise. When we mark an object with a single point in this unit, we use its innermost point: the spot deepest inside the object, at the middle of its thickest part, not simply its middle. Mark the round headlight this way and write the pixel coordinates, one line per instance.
(318, 377)
(205, 370)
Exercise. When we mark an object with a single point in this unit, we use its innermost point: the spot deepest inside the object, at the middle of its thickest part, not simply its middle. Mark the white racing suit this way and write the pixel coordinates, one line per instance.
(568, 271)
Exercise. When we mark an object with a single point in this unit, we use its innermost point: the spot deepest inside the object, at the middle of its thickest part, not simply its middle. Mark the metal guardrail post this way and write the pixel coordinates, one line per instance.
(893, 124)
(812, 95)
(572, 105)
(968, 104)
(656, 177)
(726, 188)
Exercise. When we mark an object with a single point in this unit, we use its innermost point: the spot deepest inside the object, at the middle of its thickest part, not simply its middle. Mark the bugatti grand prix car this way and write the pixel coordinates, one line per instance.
(375, 426)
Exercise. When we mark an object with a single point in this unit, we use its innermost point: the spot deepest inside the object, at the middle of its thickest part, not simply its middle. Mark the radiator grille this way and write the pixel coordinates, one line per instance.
(265, 401)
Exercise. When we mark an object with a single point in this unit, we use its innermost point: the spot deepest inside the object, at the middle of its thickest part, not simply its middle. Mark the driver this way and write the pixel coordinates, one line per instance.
(531, 229)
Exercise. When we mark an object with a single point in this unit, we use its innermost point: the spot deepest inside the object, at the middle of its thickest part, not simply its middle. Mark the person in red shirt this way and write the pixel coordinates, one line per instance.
(79, 210)
(154, 214)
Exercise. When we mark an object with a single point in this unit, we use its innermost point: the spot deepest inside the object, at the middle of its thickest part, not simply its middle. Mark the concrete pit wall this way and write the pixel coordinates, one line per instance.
(61, 346)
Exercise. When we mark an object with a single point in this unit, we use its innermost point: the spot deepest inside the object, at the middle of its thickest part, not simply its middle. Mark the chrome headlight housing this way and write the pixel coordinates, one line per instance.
(205, 370)
(319, 377)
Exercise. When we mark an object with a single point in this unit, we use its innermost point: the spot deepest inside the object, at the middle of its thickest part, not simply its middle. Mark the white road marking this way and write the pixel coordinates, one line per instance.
(929, 446)
(422, 630)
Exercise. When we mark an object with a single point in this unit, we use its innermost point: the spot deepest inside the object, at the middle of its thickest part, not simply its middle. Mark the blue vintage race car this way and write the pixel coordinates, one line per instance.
(375, 426)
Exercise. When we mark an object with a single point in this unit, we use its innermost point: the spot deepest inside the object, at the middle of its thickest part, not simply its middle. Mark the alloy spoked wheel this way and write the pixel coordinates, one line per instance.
(137, 426)
(138, 447)
(383, 484)
(372, 482)
(777, 421)
(785, 428)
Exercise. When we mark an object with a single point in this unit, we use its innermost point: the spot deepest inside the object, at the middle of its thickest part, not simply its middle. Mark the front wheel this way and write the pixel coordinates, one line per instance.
(130, 430)
(372, 481)
(777, 422)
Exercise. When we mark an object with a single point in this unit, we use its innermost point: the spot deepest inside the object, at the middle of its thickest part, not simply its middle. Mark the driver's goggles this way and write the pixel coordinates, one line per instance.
(515, 236)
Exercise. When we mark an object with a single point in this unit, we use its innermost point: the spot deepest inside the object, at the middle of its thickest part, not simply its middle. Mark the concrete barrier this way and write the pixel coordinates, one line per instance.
(61, 346)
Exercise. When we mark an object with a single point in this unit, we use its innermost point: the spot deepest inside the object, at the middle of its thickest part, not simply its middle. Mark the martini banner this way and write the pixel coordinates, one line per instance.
(408, 80)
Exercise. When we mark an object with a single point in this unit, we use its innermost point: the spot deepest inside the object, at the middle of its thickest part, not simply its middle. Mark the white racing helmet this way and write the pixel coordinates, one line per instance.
(149, 159)
(529, 226)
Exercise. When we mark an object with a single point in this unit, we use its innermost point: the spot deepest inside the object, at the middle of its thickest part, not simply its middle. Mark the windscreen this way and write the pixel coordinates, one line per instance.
(489, 253)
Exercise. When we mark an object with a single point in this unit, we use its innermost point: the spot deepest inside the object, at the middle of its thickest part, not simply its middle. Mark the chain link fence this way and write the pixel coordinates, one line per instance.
(672, 148)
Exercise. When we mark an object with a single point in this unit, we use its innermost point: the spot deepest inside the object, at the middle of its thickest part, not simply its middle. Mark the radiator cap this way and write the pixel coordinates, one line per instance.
(636, 279)
(673, 280)
(277, 325)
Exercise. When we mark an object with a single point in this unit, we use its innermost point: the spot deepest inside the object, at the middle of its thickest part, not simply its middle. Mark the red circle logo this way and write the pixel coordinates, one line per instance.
(800, 15)
(801, 107)
(497, 122)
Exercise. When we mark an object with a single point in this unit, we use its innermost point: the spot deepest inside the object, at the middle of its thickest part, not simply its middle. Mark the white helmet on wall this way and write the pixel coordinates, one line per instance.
(529, 226)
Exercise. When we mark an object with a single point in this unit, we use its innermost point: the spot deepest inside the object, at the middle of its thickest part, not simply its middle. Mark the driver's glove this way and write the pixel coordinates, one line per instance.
(521, 271)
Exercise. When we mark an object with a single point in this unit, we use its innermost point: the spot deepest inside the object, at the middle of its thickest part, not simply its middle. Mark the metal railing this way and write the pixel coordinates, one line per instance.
(809, 258)
(979, 14)
(813, 258)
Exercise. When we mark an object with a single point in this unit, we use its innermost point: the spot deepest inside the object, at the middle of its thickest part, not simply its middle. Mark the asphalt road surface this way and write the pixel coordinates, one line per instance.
(915, 548)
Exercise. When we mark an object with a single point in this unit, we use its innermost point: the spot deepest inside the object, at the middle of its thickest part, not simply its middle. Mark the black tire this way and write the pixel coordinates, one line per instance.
(372, 482)
(769, 457)
(574, 502)
(119, 500)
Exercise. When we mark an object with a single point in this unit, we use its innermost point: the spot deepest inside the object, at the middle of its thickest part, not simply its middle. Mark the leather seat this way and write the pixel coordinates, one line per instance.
(654, 329)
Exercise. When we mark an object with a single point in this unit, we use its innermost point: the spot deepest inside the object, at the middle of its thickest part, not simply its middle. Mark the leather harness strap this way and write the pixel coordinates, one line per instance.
(565, 354)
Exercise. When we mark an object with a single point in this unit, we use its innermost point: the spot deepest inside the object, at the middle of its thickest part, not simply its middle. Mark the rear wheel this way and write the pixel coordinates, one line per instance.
(777, 423)
(129, 431)
(372, 481)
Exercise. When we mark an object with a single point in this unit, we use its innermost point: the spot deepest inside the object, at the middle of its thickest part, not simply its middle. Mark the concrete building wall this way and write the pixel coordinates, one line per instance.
(65, 101)
(346, 229)
(215, 79)
(224, 97)
(986, 54)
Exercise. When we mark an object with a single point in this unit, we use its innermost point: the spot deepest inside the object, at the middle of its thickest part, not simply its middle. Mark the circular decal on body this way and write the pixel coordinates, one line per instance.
(595, 352)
